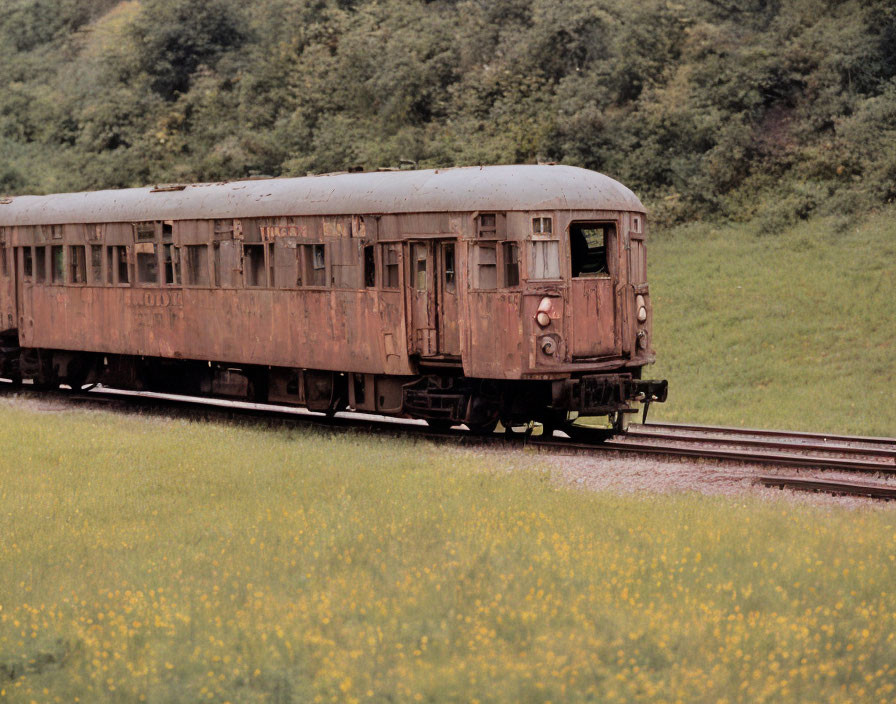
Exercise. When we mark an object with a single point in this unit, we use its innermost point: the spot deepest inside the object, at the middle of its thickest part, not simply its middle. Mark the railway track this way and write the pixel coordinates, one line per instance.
(859, 454)
(779, 449)
(827, 486)
(795, 435)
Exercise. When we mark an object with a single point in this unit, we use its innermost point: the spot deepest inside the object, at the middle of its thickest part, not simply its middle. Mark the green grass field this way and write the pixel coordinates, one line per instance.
(791, 329)
(161, 560)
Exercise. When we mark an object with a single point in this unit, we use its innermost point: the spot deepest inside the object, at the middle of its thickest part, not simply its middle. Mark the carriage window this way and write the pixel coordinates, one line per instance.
(147, 263)
(545, 260)
(450, 273)
(369, 266)
(253, 263)
(511, 264)
(588, 247)
(171, 257)
(196, 265)
(145, 231)
(420, 267)
(315, 260)
(390, 266)
(486, 267)
(487, 226)
(57, 264)
(27, 264)
(77, 264)
(96, 264)
(318, 265)
(120, 261)
(542, 226)
(40, 265)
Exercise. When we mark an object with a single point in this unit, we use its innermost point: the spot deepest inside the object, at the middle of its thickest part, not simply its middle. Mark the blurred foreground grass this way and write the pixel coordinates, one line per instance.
(792, 329)
(161, 560)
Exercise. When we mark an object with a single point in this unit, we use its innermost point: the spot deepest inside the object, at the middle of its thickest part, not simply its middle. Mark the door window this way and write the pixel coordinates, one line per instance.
(420, 256)
(390, 266)
(511, 264)
(450, 273)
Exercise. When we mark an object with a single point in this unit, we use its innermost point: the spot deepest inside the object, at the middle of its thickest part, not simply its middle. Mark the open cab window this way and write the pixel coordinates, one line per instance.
(588, 248)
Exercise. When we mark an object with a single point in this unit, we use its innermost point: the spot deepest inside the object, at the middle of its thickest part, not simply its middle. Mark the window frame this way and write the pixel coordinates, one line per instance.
(27, 264)
(478, 248)
(203, 252)
(75, 257)
(370, 270)
(609, 247)
(530, 266)
(57, 275)
(389, 268)
(40, 264)
(538, 223)
(506, 247)
(247, 259)
(94, 277)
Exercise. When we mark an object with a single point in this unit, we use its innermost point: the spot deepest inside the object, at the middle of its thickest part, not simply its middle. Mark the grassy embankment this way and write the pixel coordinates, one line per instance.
(790, 329)
(159, 559)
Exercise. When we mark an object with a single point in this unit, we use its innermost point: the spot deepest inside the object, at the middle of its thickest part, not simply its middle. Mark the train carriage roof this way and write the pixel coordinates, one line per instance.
(466, 189)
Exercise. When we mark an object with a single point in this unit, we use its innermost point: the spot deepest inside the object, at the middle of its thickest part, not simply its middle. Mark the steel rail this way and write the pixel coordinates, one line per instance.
(768, 433)
(768, 458)
(768, 444)
(874, 491)
(228, 407)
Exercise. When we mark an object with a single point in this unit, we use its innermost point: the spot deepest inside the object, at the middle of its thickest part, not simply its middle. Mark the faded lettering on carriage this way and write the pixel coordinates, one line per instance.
(156, 299)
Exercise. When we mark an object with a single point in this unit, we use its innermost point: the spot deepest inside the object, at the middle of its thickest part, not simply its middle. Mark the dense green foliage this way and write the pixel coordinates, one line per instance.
(704, 107)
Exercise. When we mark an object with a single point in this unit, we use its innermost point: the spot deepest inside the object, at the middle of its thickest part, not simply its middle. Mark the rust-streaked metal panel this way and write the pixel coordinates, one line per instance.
(317, 329)
(496, 349)
(499, 188)
(593, 322)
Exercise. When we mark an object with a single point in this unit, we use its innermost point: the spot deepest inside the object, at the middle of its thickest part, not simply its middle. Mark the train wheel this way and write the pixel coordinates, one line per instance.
(483, 414)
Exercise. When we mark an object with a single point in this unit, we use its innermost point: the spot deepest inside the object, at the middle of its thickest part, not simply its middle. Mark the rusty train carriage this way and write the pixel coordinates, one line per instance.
(462, 295)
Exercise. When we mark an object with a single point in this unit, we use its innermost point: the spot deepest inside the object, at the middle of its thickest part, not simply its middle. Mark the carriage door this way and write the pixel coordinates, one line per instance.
(8, 314)
(595, 304)
(448, 314)
(422, 302)
(432, 294)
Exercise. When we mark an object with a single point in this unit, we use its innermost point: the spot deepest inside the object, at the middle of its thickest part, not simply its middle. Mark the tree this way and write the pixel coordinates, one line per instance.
(172, 38)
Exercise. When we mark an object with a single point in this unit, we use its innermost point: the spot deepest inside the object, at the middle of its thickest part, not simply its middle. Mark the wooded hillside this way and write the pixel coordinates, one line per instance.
(706, 108)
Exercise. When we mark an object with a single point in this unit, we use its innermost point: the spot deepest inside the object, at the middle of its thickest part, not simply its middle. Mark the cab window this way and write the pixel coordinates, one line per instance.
(588, 248)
